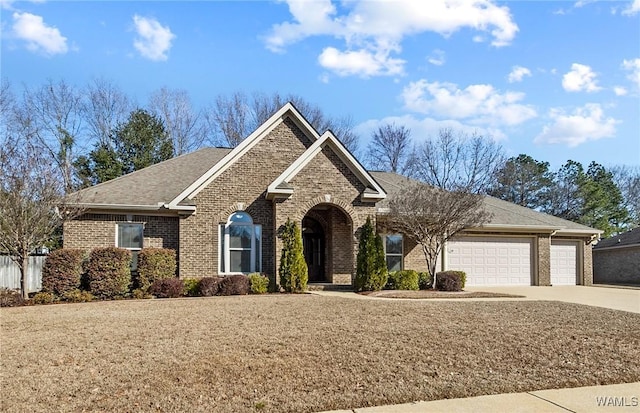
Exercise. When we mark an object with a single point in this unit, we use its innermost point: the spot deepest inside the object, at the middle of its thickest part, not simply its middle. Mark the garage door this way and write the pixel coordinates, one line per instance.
(564, 262)
(491, 260)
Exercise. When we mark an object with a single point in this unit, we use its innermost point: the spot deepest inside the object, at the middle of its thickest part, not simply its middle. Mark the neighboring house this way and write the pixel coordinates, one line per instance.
(221, 209)
(616, 260)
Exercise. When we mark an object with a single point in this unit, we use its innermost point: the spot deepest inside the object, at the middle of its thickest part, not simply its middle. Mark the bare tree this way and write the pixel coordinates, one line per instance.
(32, 201)
(627, 178)
(55, 113)
(233, 118)
(105, 106)
(457, 161)
(389, 149)
(182, 123)
(229, 120)
(430, 216)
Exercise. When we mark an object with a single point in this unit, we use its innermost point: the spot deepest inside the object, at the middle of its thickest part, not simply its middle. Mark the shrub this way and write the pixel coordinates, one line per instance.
(62, 271)
(293, 270)
(424, 280)
(259, 283)
(450, 280)
(167, 288)
(209, 286)
(371, 268)
(403, 280)
(154, 264)
(43, 297)
(78, 296)
(108, 272)
(139, 294)
(234, 285)
(11, 298)
(191, 286)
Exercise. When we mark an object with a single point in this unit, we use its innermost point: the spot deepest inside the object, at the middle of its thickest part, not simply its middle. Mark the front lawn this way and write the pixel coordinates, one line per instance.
(301, 353)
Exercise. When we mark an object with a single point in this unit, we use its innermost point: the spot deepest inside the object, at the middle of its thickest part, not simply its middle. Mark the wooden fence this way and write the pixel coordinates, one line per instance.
(10, 273)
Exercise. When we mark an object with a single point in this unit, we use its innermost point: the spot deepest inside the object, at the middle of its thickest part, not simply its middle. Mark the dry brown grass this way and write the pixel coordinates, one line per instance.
(425, 294)
(282, 353)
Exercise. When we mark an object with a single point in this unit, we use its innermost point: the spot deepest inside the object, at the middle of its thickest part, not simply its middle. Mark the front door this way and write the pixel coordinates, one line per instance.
(313, 245)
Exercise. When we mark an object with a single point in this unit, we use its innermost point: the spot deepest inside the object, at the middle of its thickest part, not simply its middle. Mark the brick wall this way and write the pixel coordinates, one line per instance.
(326, 181)
(99, 230)
(616, 265)
(241, 187)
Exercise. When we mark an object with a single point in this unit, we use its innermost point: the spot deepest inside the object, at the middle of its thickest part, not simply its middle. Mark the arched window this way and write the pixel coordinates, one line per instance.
(240, 245)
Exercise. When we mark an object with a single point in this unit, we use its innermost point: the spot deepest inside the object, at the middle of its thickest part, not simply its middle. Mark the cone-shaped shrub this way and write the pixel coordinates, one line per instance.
(62, 271)
(293, 268)
(109, 272)
(371, 268)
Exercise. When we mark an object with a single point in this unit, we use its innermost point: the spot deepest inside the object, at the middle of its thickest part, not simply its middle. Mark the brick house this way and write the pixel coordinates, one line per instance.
(220, 209)
(616, 260)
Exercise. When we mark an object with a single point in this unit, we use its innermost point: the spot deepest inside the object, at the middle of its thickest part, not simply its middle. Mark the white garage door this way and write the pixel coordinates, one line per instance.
(491, 260)
(564, 262)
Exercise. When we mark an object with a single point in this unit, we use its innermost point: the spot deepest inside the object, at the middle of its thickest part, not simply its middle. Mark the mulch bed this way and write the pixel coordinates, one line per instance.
(302, 353)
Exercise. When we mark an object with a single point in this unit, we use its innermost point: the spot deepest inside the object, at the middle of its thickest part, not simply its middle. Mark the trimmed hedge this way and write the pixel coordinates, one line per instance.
(191, 287)
(43, 297)
(403, 280)
(259, 283)
(424, 280)
(450, 280)
(209, 286)
(109, 272)
(62, 271)
(167, 288)
(11, 298)
(235, 285)
(154, 264)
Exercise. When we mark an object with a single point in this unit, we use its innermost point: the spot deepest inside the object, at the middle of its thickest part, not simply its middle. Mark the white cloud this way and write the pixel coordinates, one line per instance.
(478, 104)
(582, 3)
(154, 40)
(580, 78)
(360, 62)
(376, 28)
(587, 123)
(517, 73)
(619, 90)
(437, 57)
(633, 9)
(633, 67)
(39, 37)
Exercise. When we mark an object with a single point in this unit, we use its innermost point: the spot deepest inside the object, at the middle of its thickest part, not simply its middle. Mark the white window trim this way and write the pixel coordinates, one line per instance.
(394, 254)
(116, 243)
(226, 252)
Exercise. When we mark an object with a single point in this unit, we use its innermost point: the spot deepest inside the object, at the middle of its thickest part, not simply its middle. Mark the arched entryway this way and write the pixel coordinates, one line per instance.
(328, 243)
(313, 242)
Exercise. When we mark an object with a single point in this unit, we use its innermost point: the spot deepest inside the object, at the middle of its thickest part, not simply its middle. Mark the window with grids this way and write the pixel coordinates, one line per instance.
(393, 251)
(240, 245)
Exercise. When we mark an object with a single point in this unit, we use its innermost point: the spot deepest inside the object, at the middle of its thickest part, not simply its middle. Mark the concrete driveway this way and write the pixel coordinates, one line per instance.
(625, 299)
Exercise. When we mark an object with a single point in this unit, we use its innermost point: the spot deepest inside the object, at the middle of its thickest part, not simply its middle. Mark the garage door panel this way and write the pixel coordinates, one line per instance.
(492, 260)
(564, 262)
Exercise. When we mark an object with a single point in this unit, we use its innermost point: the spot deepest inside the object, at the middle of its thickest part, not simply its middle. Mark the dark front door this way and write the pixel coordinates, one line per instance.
(313, 245)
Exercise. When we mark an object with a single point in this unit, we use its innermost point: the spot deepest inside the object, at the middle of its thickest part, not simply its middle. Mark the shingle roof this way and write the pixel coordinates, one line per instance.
(156, 184)
(504, 213)
(627, 238)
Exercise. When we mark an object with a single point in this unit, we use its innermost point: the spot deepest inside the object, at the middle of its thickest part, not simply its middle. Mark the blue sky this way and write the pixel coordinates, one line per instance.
(556, 80)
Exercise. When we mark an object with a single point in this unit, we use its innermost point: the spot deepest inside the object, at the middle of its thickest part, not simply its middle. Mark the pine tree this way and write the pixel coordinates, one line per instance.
(371, 269)
(293, 268)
